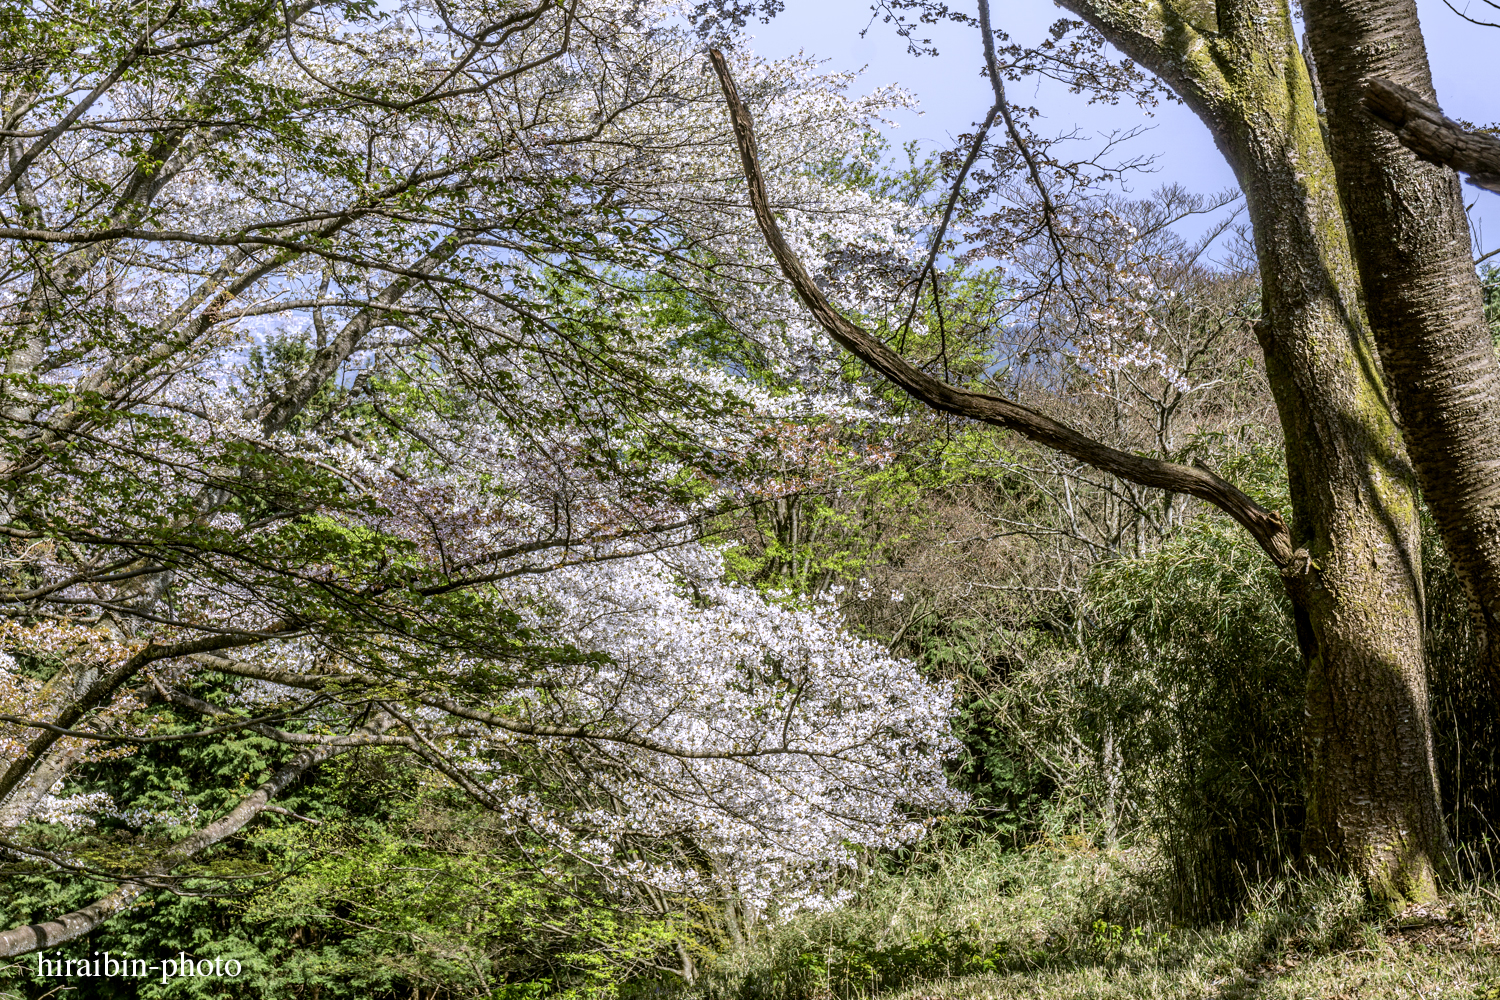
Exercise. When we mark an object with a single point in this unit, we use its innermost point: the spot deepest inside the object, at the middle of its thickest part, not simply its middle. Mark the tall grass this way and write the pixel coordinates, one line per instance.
(967, 918)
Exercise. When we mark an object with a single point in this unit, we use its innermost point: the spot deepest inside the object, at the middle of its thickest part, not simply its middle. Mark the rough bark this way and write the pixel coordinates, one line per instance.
(1422, 127)
(1411, 242)
(1373, 802)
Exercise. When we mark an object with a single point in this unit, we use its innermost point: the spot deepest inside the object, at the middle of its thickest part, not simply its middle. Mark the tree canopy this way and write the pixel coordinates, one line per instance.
(367, 374)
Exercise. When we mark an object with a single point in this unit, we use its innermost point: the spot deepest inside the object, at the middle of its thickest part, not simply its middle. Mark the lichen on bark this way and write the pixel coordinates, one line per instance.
(1372, 785)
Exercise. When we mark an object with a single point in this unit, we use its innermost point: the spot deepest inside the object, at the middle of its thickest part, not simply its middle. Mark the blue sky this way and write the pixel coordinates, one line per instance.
(1464, 59)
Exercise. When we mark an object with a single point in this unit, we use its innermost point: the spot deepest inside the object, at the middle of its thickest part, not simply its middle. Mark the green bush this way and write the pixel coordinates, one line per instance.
(401, 886)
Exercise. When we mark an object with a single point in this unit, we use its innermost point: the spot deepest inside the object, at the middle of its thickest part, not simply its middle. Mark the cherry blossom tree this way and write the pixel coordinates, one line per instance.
(376, 363)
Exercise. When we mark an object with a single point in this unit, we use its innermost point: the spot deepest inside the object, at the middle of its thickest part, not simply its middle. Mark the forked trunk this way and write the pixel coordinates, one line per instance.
(1373, 804)
(1411, 242)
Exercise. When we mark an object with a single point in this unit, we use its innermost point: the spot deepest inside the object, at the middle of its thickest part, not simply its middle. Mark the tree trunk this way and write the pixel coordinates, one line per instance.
(1411, 242)
(1353, 561)
(1373, 803)
(33, 937)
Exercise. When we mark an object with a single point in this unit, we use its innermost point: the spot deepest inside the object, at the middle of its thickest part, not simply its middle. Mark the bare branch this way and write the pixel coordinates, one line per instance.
(1264, 525)
(997, 84)
(1472, 20)
(958, 187)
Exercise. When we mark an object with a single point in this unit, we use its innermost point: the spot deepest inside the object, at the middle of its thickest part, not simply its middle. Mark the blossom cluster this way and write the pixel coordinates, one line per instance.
(414, 374)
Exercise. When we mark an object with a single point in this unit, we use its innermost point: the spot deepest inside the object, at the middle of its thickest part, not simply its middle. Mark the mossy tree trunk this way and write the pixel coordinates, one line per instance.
(1373, 796)
(1411, 243)
(1352, 559)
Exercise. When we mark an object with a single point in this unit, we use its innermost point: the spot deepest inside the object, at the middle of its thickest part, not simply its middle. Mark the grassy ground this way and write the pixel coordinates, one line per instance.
(1066, 921)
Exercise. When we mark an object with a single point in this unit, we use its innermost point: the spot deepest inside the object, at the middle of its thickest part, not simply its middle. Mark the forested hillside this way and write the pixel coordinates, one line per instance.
(537, 500)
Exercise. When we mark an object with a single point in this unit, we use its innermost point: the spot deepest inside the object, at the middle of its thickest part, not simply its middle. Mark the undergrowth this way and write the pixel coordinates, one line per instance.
(1065, 919)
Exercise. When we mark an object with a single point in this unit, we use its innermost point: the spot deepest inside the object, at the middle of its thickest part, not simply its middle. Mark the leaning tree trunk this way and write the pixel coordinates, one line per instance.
(1411, 242)
(1373, 803)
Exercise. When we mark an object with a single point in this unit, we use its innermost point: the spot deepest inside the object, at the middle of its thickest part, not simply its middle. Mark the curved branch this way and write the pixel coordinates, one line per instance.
(30, 937)
(1264, 525)
(100, 690)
